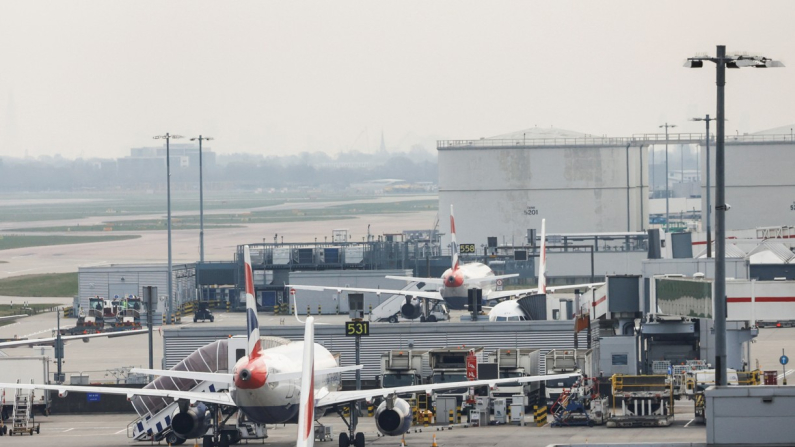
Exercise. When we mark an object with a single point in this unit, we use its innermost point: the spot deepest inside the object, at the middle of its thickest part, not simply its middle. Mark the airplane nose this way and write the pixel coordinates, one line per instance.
(245, 374)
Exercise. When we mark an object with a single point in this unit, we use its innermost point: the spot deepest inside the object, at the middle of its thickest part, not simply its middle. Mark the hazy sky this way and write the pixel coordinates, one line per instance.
(94, 78)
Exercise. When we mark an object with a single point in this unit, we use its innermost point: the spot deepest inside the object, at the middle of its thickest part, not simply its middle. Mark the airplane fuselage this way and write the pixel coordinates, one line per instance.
(278, 402)
(455, 289)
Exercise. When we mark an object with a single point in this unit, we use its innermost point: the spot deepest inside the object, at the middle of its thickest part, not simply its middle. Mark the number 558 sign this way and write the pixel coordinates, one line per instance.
(353, 328)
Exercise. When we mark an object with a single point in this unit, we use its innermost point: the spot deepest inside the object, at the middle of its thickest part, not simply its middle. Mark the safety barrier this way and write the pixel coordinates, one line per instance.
(540, 415)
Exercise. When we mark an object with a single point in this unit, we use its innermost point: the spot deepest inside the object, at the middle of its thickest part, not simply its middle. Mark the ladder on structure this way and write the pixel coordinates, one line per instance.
(22, 415)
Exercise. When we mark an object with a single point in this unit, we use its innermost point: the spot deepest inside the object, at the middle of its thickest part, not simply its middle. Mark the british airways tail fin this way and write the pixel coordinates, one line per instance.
(252, 324)
(542, 266)
(306, 411)
(454, 245)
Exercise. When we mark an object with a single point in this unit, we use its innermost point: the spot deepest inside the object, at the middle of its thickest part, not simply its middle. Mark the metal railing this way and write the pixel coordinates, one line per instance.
(635, 139)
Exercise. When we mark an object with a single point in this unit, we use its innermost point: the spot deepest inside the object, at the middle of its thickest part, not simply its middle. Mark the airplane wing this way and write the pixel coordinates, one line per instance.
(417, 293)
(434, 281)
(490, 278)
(588, 286)
(336, 397)
(518, 292)
(51, 340)
(229, 378)
(212, 398)
(11, 318)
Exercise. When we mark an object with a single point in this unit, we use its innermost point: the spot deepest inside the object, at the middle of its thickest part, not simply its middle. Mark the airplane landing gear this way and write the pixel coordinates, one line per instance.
(351, 438)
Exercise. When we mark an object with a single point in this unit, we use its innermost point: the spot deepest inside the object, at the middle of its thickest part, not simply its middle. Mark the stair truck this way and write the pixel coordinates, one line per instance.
(23, 370)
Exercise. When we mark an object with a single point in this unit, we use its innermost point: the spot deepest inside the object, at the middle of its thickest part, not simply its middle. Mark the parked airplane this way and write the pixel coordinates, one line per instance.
(456, 280)
(297, 381)
(512, 310)
(459, 278)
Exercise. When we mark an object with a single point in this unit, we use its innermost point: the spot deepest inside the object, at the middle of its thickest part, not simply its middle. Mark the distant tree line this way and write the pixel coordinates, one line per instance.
(236, 171)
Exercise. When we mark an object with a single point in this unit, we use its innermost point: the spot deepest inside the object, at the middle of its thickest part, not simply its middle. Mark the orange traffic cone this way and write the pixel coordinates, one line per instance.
(434, 441)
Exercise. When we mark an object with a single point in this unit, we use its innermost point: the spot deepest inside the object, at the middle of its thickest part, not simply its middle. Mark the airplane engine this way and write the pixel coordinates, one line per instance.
(192, 423)
(393, 421)
(411, 309)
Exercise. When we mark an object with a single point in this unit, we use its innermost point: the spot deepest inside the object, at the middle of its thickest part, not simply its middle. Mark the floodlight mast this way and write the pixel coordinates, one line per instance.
(168, 137)
(722, 61)
(201, 197)
(666, 125)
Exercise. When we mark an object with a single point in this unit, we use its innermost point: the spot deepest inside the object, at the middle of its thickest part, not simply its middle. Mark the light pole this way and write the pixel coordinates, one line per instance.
(201, 197)
(168, 138)
(666, 125)
(722, 61)
(707, 119)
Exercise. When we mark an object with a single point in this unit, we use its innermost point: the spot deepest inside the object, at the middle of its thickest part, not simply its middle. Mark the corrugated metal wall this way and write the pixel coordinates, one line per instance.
(543, 335)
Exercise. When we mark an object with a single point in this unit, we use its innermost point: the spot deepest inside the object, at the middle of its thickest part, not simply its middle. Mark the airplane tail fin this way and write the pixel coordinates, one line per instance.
(252, 324)
(454, 244)
(306, 411)
(542, 266)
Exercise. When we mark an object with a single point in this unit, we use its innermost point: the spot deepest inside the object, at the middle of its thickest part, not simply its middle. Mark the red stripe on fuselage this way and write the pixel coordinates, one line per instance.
(763, 299)
(249, 280)
(310, 406)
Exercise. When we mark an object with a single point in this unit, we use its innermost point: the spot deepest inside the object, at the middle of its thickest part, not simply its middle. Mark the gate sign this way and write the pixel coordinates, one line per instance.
(784, 360)
(472, 367)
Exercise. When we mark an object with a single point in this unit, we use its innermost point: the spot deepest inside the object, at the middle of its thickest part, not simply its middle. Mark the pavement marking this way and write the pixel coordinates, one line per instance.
(789, 371)
(691, 420)
(68, 429)
(120, 431)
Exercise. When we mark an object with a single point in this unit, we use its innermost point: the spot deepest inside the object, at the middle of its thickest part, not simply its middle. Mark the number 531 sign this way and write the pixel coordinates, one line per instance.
(354, 328)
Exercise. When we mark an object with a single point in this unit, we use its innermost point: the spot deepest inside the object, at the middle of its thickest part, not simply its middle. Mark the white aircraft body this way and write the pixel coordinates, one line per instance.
(510, 310)
(50, 341)
(276, 385)
(455, 282)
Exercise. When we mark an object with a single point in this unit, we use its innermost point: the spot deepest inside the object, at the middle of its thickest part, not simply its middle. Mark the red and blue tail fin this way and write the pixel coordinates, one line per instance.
(542, 266)
(252, 324)
(454, 246)
(306, 411)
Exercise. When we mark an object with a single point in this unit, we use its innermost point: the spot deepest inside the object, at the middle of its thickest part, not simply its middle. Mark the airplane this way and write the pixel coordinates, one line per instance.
(457, 280)
(297, 381)
(513, 309)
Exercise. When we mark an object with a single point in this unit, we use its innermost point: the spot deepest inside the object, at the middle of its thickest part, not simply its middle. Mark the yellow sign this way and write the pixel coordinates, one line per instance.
(354, 328)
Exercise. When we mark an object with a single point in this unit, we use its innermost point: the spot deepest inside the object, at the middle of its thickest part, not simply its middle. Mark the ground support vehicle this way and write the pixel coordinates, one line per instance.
(562, 361)
(580, 405)
(450, 365)
(203, 313)
(643, 401)
(22, 418)
(517, 363)
(24, 370)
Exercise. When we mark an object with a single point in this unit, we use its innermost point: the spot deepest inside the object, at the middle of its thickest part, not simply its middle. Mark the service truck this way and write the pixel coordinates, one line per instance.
(561, 361)
(517, 363)
(401, 367)
(24, 369)
(450, 365)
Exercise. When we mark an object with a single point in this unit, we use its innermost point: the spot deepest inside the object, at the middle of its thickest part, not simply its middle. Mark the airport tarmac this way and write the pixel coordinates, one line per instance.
(111, 430)
(219, 243)
(100, 355)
